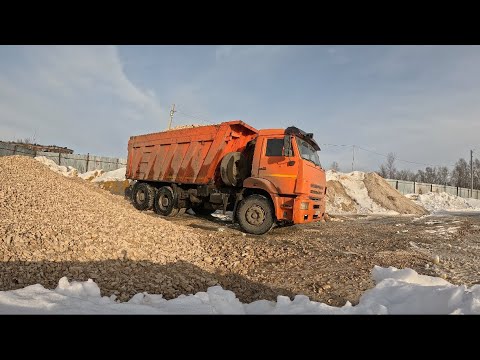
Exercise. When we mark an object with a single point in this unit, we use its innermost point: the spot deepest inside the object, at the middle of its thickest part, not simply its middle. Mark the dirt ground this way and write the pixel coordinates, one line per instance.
(331, 261)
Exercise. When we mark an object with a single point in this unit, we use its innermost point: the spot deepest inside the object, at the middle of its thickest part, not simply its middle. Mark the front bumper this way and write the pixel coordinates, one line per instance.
(315, 210)
(292, 211)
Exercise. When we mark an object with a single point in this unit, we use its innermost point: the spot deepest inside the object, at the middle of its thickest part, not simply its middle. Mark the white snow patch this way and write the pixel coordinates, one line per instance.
(440, 230)
(67, 171)
(396, 292)
(91, 175)
(97, 175)
(219, 215)
(115, 175)
(435, 202)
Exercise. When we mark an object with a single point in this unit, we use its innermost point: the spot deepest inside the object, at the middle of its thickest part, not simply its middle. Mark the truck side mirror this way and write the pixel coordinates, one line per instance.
(287, 146)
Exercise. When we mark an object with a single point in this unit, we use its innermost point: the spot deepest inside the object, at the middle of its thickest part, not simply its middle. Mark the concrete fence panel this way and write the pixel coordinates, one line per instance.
(410, 187)
(82, 163)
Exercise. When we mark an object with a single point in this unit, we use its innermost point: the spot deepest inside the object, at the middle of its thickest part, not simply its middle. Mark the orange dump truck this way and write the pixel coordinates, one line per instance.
(265, 177)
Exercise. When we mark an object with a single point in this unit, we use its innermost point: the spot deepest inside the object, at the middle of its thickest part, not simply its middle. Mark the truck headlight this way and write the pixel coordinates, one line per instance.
(304, 205)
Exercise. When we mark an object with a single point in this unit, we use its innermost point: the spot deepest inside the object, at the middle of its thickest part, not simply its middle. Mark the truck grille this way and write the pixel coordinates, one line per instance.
(317, 193)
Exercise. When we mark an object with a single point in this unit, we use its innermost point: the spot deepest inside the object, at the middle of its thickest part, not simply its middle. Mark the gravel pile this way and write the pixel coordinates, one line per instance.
(52, 226)
(389, 198)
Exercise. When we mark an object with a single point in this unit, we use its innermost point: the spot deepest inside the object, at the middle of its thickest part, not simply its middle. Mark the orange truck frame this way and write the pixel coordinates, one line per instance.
(266, 177)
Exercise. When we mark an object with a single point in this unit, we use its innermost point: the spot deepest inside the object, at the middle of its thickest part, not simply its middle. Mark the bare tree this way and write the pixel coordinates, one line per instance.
(420, 177)
(442, 175)
(388, 170)
(430, 175)
(335, 166)
(406, 175)
(476, 174)
(461, 174)
(25, 141)
(383, 171)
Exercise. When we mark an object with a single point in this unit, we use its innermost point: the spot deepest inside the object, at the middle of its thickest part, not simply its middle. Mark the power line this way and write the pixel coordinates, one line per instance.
(195, 113)
(194, 117)
(406, 161)
(380, 154)
(337, 145)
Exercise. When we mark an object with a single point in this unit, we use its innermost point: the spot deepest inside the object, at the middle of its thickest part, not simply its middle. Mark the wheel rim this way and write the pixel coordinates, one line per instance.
(140, 196)
(163, 202)
(255, 215)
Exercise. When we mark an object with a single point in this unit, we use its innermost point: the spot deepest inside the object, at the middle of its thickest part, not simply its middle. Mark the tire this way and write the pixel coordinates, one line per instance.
(163, 203)
(128, 192)
(203, 211)
(234, 169)
(143, 196)
(255, 214)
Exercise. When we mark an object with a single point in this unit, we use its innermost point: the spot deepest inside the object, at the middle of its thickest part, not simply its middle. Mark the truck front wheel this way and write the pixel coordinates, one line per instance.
(164, 202)
(255, 214)
(142, 196)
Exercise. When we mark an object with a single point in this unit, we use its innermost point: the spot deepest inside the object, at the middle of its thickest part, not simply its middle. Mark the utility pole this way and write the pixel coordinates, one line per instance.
(471, 171)
(171, 116)
(353, 156)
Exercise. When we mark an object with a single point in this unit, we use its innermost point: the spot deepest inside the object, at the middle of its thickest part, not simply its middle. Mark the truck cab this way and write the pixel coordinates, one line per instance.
(286, 165)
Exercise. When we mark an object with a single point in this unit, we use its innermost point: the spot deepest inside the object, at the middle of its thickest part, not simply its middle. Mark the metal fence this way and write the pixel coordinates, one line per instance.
(413, 187)
(82, 163)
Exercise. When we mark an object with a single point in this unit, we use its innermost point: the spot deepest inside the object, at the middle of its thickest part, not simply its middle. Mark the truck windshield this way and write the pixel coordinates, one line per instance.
(308, 152)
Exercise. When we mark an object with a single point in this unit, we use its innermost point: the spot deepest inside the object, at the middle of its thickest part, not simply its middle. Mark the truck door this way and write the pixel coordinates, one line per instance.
(274, 166)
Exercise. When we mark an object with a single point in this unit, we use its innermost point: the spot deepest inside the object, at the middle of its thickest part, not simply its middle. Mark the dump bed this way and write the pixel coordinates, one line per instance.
(188, 156)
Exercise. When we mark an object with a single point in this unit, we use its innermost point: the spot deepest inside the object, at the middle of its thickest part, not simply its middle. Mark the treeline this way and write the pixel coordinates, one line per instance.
(459, 176)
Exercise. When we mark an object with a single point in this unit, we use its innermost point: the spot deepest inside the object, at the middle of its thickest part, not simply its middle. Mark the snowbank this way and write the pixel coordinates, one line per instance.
(64, 170)
(444, 202)
(91, 175)
(367, 194)
(115, 175)
(396, 292)
(354, 186)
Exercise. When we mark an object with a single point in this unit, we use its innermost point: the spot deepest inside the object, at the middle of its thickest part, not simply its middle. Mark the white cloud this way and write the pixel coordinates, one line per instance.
(74, 95)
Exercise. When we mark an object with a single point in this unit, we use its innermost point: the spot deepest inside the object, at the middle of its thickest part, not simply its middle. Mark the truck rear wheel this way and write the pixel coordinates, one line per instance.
(143, 196)
(164, 202)
(255, 214)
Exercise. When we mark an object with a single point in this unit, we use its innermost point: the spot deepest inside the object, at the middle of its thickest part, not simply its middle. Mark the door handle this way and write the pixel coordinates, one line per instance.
(262, 168)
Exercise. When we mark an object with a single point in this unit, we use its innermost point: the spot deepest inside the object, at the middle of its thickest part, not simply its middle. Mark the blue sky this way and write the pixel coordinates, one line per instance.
(420, 102)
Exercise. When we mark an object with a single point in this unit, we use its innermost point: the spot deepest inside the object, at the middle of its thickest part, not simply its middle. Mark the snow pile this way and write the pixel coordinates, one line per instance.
(444, 202)
(91, 175)
(97, 175)
(366, 193)
(355, 195)
(115, 175)
(397, 292)
(64, 170)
